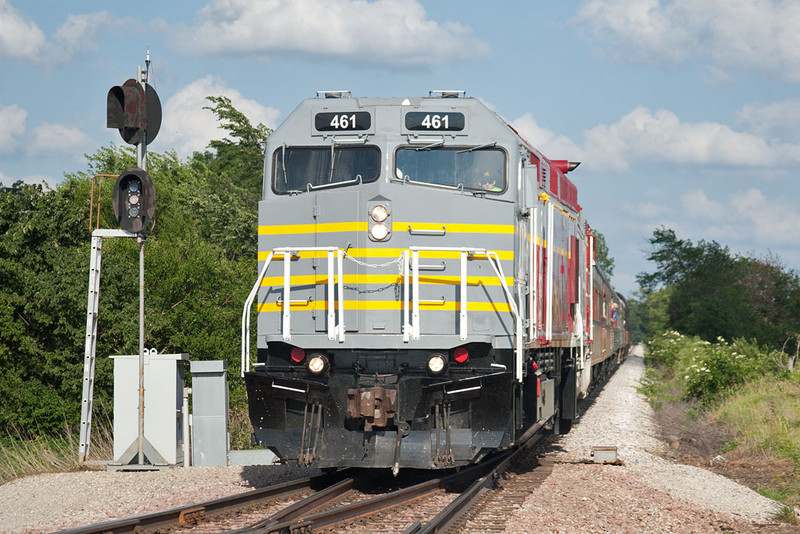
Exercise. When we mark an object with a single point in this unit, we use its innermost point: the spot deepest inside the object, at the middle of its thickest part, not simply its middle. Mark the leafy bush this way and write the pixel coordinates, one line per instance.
(708, 371)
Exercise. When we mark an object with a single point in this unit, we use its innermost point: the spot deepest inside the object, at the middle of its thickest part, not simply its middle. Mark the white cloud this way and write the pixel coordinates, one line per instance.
(662, 137)
(731, 35)
(49, 139)
(79, 34)
(745, 217)
(20, 37)
(645, 136)
(699, 205)
(770, 221)
(651, 210)
(779, 119)
(393, 32)
(640, 28)
(188, 128)
(548, 142)
(12, 125)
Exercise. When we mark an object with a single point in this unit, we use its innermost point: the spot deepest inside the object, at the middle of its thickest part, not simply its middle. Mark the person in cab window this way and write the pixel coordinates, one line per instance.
(488, 182)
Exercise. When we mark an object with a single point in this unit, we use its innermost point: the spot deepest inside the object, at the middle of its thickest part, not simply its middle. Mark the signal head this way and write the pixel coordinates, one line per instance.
(134, 200)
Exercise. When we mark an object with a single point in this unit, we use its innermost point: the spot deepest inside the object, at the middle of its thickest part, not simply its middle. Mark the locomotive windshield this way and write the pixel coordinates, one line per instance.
(307, 168)
(476, 168)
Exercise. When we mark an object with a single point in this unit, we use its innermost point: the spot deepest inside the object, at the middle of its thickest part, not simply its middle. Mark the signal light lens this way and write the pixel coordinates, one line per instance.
(436, 363)
(298, 355)
(379, 213)
(460, 355)
(317, 364)
(379, 232)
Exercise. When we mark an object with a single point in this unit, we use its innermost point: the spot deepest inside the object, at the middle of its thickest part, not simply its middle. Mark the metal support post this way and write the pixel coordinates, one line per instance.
(140, 439)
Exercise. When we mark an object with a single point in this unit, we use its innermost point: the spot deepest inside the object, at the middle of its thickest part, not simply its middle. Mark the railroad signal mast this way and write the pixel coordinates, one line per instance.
(134, 109)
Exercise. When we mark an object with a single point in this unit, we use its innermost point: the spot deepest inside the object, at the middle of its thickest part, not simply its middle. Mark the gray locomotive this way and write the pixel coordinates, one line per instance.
(426, 293)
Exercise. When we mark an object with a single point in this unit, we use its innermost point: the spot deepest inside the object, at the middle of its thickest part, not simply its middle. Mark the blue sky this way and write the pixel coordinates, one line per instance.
(684, 113)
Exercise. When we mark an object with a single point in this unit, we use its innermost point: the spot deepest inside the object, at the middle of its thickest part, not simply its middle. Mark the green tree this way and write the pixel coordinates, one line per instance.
(713, 293)
(40, 293)
(241, 154)
(200, 259)
(604, 261)
(775, 297)
(648, 310)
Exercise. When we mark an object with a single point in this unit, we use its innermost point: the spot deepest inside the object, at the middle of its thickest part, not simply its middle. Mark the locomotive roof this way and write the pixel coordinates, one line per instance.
(453, 100)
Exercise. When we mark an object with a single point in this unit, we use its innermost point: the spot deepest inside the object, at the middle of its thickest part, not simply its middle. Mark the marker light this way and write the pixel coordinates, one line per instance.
(379, 213)
(436, 363)
(379, 232)
(460, 355)
(298, 355)
(317, 364)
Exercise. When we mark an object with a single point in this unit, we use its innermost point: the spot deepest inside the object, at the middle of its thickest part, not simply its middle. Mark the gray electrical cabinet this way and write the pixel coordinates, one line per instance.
(163, 397)
(210, 439)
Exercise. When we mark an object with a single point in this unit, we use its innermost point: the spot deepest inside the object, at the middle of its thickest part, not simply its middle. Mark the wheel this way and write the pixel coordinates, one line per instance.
(561, 426)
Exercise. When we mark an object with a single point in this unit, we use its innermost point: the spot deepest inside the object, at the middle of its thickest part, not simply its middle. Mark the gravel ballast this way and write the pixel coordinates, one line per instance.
(645, 494)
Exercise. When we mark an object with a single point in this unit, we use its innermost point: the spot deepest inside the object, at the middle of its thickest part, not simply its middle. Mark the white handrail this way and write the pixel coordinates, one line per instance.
(287, 301)
(550, 251)
(494, 261)
(462, 316)
(415, 327)
(406, 297)
(340, 326)
(248, 303)
(533, 277)
(331, 308)
(334, 330)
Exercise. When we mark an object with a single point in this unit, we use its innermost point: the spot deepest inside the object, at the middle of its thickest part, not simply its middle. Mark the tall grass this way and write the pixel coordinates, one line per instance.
(22, 455)
(766, 414)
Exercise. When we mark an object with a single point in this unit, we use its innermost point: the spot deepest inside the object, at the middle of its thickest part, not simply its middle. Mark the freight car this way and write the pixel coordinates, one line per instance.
(427, 290)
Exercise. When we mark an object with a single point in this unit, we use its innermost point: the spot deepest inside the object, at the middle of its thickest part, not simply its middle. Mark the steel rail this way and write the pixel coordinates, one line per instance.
(451, 513)
(306, 506)
(356, 510)
(364, 508)
(187, 515)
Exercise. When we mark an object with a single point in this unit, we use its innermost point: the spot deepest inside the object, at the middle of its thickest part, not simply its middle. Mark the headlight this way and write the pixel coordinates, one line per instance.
(379, 232)
(436, 363)
(317, 364)
(379, 213)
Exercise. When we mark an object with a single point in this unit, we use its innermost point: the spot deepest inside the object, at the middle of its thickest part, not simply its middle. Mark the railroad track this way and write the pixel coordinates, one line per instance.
(327, 502)
(367, 501)
(195, 513)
